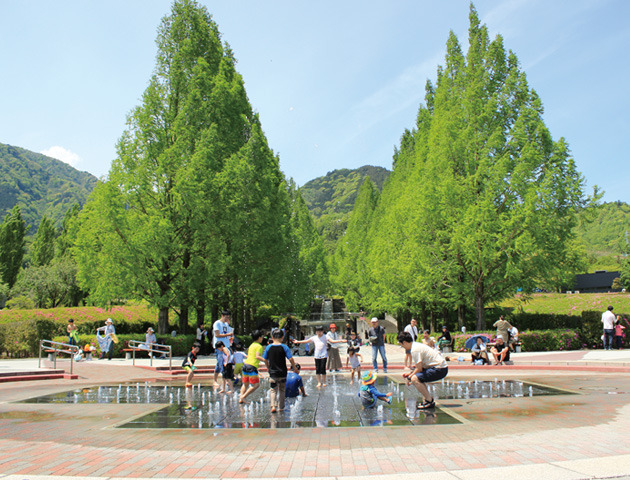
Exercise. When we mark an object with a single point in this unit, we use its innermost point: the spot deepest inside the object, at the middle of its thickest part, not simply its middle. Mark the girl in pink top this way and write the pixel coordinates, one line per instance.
(619, 328)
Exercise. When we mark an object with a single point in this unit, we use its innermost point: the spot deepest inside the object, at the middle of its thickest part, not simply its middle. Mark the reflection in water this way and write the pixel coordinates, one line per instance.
(334, 406)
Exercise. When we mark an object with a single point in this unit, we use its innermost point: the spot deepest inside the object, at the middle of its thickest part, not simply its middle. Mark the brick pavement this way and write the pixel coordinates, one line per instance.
(580, 436)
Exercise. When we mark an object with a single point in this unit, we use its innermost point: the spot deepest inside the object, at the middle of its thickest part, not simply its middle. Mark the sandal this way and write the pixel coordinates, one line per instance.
(426, 405)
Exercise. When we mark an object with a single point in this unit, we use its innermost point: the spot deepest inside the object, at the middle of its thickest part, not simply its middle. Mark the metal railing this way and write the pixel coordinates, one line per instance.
(58, 347)
(151, 348)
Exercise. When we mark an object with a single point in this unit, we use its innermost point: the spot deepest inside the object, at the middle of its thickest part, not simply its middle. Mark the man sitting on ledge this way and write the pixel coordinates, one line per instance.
(501, 351)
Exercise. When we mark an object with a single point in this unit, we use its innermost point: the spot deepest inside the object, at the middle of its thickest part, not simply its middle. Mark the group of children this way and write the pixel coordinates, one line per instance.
(427, 366)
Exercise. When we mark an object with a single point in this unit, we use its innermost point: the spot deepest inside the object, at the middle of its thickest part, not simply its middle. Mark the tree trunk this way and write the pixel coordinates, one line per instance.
(163, 321)
(461, 315)
(183, 319)
(445, 314)
(480, 312)
(200, 309)
(423, 317)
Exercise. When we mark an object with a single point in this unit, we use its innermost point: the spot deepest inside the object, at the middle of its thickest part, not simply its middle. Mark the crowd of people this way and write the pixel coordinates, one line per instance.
(424, 360)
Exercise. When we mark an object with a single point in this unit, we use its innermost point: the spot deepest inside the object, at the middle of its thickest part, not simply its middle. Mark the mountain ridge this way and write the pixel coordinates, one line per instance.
(40, 185)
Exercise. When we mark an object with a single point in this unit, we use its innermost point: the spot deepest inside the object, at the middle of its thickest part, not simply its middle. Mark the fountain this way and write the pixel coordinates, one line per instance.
(335, 406)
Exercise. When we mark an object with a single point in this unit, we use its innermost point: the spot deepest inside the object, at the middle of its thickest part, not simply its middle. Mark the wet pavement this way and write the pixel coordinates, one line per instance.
(566, 436)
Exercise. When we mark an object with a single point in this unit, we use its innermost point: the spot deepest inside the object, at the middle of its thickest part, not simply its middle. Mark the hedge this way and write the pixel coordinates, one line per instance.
(180, 345)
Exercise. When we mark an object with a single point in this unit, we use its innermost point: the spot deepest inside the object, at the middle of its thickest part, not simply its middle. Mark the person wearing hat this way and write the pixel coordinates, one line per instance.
(150, 340)
(377, 339)
(106, 339)
(428, 366)
(369, 394)
(334, 359)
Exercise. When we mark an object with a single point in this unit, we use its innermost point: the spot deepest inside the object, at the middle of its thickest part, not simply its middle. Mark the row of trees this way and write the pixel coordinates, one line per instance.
(195, 214)
(46, 276)
(481, 201)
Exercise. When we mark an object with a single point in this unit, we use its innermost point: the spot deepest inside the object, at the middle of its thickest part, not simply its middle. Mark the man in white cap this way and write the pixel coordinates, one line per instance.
(377, 339)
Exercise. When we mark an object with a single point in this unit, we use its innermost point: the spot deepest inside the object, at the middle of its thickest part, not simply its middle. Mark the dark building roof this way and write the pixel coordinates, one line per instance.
(600, 281)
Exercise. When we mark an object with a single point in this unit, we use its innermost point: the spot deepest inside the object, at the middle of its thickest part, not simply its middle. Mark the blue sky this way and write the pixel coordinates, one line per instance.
(335, 82)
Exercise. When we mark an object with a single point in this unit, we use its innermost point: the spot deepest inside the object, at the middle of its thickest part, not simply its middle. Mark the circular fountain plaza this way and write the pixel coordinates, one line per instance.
(557, 415)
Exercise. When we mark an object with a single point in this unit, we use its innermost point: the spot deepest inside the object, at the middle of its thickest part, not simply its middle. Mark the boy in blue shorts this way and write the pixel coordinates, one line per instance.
(276, 356)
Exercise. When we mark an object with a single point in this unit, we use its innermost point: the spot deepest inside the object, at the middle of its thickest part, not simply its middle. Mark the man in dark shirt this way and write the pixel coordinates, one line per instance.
(501, 351)
(377, 339)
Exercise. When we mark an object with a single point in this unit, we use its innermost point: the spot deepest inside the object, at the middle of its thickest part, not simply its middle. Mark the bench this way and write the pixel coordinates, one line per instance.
(51, 354)
(128, 352)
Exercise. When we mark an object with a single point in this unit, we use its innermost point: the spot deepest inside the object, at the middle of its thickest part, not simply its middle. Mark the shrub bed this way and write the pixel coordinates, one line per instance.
(180, 345)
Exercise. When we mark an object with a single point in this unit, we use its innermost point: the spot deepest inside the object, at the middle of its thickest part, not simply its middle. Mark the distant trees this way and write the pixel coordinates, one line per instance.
(43, 250)
(12, 232)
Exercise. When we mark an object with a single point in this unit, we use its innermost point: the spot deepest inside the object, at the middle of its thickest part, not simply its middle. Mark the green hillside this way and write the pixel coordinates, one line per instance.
(41, 185)
(607, 237)
(330, 198)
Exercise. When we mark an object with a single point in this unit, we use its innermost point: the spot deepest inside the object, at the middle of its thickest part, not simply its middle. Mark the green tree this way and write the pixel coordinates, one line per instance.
(43, 250)
(49, 286)
(194, 213)
(310, 275)
(350, 261)
(481, 201)
(64, 239)
(12, 232)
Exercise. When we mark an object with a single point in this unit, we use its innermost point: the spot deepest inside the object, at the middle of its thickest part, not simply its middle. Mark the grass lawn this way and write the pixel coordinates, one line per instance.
(569, 304)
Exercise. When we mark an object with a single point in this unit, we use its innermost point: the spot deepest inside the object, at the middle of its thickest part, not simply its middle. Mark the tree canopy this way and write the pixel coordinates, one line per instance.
(482, 201)
(195, 212)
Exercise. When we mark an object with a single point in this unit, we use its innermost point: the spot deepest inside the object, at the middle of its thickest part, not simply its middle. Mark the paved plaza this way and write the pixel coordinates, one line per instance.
(578, 436)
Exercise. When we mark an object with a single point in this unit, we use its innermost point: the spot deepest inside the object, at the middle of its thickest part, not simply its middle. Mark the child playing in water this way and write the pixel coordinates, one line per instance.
(354, 359)
(227, 372)
(276, 356)
(239, 358)
(368, 392)
(189, 363)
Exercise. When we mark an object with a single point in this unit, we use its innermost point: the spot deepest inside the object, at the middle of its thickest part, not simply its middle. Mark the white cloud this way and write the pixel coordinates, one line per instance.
(62, 154)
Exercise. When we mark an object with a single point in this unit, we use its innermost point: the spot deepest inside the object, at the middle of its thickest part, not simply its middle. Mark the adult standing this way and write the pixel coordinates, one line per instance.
(503, 327)
(334, 359)
(106, 340)
(221, 332)
(202, 339)
(377, 339)
(608, 321)
(412, 329)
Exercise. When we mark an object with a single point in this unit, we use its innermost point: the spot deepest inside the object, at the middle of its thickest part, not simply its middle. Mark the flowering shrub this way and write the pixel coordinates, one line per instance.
(127, 319)
(548, 340)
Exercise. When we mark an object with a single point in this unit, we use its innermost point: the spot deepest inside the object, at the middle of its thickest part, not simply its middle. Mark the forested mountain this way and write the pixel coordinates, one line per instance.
(40, 185)
(330, 198)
